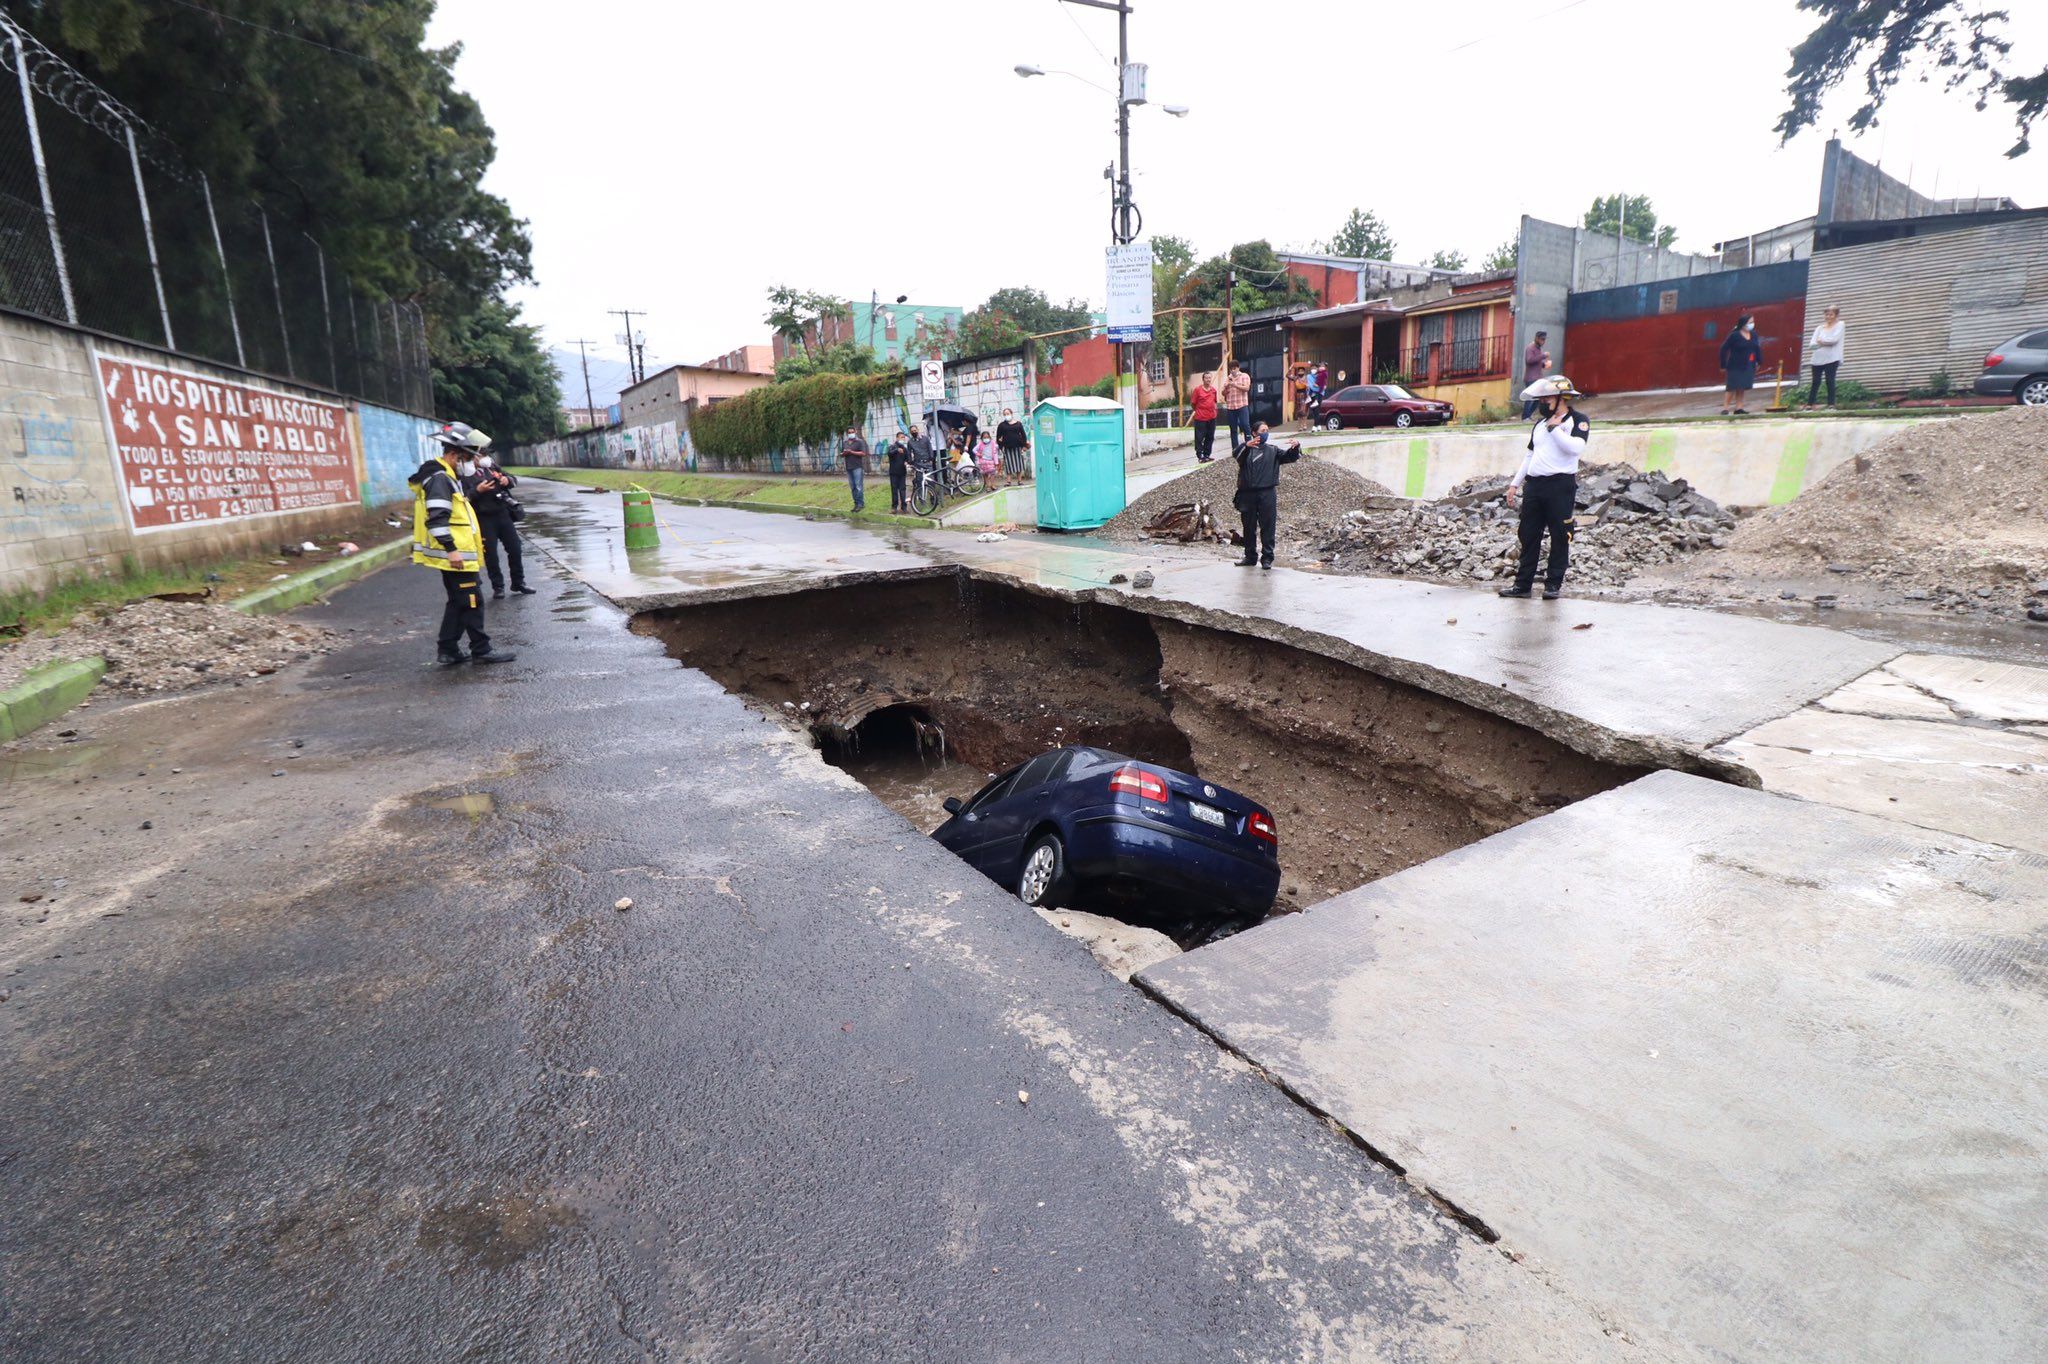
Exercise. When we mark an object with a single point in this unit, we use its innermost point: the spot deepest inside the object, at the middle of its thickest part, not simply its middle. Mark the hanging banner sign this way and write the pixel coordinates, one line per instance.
(192, 449)
(1130, 292)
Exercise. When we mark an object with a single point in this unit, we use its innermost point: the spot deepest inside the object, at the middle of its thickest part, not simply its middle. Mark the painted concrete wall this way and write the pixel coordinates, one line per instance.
(1735, 463)
(393, 445)
(63, 512)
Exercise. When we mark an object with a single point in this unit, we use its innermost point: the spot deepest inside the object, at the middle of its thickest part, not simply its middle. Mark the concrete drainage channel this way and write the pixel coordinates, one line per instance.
(923, 688)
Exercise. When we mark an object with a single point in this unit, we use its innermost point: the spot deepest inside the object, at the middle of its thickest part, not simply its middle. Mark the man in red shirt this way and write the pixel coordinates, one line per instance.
(1204, 398)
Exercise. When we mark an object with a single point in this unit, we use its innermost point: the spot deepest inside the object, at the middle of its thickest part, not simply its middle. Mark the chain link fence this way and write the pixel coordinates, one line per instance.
(104, 226)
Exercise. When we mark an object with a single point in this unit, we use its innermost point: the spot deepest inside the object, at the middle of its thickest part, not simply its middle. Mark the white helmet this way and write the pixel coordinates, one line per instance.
(1550, 386)
(461, 436)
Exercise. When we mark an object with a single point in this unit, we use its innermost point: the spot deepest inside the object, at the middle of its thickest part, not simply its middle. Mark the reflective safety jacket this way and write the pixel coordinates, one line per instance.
(442, 519)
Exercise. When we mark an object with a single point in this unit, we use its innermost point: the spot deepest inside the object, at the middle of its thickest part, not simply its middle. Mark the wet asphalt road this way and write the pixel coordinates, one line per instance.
(320, 1068)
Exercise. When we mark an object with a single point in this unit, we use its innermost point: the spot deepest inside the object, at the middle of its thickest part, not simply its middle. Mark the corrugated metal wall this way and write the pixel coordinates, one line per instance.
(1923, 304)
(1668, 333)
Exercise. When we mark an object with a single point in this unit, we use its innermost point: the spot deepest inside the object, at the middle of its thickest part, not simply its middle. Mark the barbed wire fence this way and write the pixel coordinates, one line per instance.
(104, 225)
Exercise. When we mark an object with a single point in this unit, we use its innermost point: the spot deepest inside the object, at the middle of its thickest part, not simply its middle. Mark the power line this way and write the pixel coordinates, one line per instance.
(1083, 32)
(281, 33)
(1532, 19)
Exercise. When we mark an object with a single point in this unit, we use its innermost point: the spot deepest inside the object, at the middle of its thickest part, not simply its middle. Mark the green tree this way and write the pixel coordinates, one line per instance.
(1363, 234)
(836, 357)
(1262, 280)
(1447, 260)
(492, 372)
(1010, 315)
(335, 116)
(1503, 257)
(1960, 45)
(1639, 224)
(1173, 267)
(798, 316)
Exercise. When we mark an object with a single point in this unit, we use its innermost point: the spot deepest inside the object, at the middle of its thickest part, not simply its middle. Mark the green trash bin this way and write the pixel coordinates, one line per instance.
(640, 529)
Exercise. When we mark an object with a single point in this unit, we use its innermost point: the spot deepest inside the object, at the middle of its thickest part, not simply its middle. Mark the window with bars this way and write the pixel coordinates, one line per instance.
(1155, 369)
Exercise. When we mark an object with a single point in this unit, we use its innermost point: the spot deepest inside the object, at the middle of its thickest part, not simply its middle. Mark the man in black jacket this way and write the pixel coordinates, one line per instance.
(899, 472)
(490, 492)
(1258, 493)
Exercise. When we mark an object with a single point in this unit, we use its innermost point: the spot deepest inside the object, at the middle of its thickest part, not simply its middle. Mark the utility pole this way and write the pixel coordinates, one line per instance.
(588, 404)
(1229, 312)
(634, 351)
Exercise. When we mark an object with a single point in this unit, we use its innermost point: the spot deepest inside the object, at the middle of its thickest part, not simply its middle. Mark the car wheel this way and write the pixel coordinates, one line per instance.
(2032, 392)
(1404, 419)
(1043, 877)
(1333, 423)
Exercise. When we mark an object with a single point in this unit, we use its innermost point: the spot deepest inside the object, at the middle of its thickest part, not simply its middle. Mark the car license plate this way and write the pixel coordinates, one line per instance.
(1208, 814)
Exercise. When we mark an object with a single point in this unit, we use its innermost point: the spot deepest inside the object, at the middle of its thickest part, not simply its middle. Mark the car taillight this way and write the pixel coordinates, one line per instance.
(1993, 361)
(1139, 782)
(1261, 827)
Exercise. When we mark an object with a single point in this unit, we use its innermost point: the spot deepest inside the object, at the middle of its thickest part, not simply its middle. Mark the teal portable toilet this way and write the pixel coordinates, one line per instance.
(1077, 448)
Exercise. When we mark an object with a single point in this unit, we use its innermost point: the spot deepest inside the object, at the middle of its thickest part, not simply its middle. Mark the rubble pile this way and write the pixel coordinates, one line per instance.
(1314, 495)
(1948, 512)
(158, 645)
(1628, 521)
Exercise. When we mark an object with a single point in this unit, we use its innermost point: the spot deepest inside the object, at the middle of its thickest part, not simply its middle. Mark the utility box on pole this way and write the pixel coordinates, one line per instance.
(1078, 454)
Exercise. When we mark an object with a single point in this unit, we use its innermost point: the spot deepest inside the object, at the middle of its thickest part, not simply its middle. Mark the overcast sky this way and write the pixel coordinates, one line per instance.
(682, 158)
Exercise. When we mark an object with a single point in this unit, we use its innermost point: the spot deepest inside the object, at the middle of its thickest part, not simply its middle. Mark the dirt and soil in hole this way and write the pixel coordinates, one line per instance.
(1365, 776)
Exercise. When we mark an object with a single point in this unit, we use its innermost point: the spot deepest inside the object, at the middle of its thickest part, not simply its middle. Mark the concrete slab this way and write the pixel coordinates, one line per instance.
(1979, 781)
(1769, 1073)
(1977, 688)
(1624, 682)
(1882, 694)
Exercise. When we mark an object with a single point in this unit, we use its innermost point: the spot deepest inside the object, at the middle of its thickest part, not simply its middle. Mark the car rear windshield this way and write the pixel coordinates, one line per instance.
(2033, 341)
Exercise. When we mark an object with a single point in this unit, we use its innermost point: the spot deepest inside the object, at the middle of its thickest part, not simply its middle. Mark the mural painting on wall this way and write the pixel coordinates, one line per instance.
(192, 449)
(50, 486)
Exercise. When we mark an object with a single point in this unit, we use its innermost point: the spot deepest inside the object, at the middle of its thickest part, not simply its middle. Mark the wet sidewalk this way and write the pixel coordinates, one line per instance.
(1618, 681)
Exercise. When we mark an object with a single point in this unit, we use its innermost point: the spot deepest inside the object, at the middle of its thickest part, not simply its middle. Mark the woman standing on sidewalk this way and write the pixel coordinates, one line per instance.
(1825, 353)
(1740, 355)
(1015, 443)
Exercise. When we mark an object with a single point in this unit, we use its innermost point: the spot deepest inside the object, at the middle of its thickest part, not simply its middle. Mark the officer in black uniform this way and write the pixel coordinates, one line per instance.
(490, 492)
(1258, 492)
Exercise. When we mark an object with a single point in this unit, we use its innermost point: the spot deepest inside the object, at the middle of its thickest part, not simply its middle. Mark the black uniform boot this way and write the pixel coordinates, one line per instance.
(493, 656)
(448, 658)
(1516, 592)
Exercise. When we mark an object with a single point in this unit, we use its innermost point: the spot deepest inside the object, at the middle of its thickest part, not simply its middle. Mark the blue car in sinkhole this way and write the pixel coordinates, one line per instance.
(1081, 827)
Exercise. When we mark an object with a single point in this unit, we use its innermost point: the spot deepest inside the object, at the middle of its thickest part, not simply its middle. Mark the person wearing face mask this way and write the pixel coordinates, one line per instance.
(490, 494)
(446, 538)
(1547, 485)
(1740, 355)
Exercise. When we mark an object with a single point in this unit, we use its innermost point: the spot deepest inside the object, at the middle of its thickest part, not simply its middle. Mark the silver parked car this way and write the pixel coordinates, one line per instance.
(2018, 370)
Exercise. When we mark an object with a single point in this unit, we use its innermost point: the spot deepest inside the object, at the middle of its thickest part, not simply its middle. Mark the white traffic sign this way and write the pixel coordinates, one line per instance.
(932, 379)
(1130, 292)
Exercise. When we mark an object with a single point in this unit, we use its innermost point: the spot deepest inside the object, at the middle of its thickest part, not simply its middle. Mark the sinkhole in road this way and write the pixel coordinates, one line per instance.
(922, 689)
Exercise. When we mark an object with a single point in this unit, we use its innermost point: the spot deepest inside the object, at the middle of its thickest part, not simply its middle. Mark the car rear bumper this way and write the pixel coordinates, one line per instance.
(1125, 846)
(1996, 385)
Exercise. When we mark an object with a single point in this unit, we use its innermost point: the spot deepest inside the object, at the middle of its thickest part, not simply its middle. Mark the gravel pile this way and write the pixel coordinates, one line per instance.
(160, 646)
(1628, 521)
(1953, 512)
(1314, 496)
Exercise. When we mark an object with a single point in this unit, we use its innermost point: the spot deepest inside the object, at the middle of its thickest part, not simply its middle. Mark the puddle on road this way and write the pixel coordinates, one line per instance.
(475, 804)
(70, 759)
(919, 689)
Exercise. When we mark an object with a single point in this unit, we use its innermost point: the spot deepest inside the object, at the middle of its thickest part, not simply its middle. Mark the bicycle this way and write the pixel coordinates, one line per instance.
(930, 487)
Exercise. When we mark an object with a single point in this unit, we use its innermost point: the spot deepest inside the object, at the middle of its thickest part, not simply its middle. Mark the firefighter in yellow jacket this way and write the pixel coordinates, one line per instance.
(445, 537)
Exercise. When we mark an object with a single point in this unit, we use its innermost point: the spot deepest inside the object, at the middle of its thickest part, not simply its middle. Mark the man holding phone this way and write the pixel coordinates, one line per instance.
(1546, 487)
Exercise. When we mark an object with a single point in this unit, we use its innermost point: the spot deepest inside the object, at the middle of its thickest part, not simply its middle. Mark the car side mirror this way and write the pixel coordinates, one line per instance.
(952, 805)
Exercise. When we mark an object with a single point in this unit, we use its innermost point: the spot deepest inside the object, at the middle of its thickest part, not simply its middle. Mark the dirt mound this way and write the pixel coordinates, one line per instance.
(1314, 495)
(1628, 521)
(158, 646)
(1956, 503)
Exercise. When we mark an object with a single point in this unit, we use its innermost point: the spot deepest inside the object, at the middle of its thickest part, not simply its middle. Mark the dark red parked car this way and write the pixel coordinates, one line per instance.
(1380, 405)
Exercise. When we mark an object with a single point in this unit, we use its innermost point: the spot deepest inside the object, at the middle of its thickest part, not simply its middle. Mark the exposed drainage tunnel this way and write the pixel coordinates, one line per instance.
(921, 689)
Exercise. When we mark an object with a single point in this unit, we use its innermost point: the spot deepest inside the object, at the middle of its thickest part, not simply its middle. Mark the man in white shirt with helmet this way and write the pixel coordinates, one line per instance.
(1546, 487)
